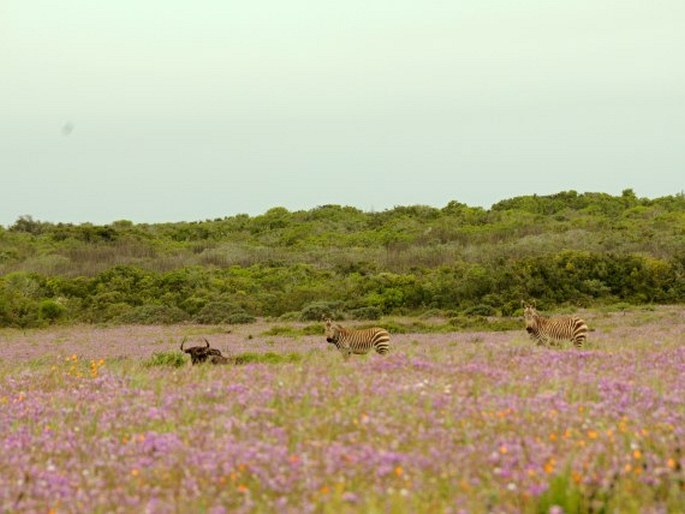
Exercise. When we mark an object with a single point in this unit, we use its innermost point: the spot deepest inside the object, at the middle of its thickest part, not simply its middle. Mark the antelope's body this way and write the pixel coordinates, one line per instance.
(200, 354)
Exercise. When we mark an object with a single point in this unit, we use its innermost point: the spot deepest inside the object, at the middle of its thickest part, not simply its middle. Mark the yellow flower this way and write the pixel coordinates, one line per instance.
(637, 454)
(592, 434)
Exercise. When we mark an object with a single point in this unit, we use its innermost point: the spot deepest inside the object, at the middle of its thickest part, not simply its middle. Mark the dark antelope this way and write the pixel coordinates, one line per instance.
(200, 354)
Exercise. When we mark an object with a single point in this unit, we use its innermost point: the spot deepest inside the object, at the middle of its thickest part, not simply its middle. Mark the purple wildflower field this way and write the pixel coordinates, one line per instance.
(450, 422)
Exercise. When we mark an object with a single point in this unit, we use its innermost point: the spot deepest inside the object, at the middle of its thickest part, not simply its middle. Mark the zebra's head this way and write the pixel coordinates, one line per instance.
(530, 314)
(332, 332)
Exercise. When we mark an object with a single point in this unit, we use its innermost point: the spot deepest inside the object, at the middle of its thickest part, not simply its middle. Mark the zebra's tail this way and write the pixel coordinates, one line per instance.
(580, 333)
(381, 342)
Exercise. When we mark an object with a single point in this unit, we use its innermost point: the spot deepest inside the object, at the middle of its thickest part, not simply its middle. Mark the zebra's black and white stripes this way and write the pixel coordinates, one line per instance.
(554, 330)
(357, 341)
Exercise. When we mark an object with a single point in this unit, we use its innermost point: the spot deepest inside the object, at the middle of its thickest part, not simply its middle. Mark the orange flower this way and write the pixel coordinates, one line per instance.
(399, 471)
(242, 488)
(550, 466)
(503, 449)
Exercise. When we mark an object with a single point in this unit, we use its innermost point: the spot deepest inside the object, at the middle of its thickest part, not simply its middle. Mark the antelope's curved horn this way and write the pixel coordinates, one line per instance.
(206, 342)
(183, 342)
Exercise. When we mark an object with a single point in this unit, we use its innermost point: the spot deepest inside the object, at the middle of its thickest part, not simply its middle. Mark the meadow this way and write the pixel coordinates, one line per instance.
(101, 419)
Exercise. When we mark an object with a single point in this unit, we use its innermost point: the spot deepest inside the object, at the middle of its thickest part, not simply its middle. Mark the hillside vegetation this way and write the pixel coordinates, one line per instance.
(562, 249)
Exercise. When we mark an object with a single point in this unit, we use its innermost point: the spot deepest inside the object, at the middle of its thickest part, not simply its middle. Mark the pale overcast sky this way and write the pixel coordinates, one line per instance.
(179, 110)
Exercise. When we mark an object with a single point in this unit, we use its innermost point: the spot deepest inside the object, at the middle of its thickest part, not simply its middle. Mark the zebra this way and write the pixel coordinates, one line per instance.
(550, 330)
(357, 341)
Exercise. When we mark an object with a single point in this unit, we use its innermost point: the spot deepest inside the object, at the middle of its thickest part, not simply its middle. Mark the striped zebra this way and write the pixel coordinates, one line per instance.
(554, 330)
(357, 341)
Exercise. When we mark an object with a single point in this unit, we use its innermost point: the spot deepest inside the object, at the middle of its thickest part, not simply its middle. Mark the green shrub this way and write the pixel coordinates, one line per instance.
(240, 317)
(366, 313)
(480, 310)
(218, 312)
(290, 316)
(170, 359)
(51, 310)
(280, 330)
(316, 311)
(214, 313)
(152, 314)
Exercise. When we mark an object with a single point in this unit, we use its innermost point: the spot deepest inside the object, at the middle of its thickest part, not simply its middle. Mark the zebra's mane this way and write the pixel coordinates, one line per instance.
(342, 329)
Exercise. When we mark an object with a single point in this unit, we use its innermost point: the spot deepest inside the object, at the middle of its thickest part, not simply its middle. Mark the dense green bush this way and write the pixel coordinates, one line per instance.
(152, 314)
(564, 249)
(316, 311)
(51, 311)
